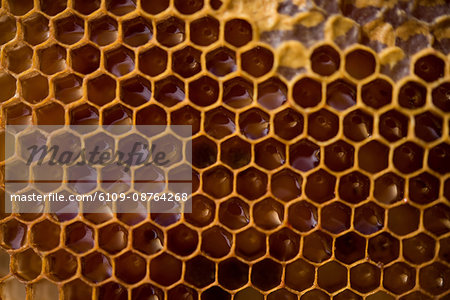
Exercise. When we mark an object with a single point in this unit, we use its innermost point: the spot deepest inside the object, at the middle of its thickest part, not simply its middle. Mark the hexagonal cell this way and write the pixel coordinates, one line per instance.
(317, 246)
(186, 62)
(153, 61)
(288, 124)
(399, 278)
(377, 93)
(82, 178)
(135, 91)
(238, 32)
(415, 295)
(215, 292)
(61, 265)
(389, 188)
(286, 185)
(383, 248)
(8, 29)
(270, 154)
(69, 29)
(203, 211)
(440, 96)
(165, 269)
(429, 68)
(325, 60)
(365, 277)
(200, 271)
(204, 152)
(360, 63)
(53, 8)
(354, 187)
(403, 219)
(103, 31)
(412, 95)
(45, 235)
(250, 244)
(221, 61)
(393, 125)
(50, 114)
(119, 61)
(137, 32)
(218, 182)
(235, 152)
(18, 58)
(428, 126)
(86, 7)
(254, 123)
(332, 276)
(68, 88)
(112, 290)
(339, 156)
(251, 183)
(120, 7)
(84, 115)
(96, 267)
(148, 239)
(281, 294)
(307, 92)
(76, 290)
(284, 244)
(437, 158)
(204, 91)
(323, 125)
(154, 8)
(14, 234)
(419, 249)
(182, 240)
(130, 267)
(336, 217)
(146, 290)
(19, 7)
(170, 32)
(408, 157)
(424, 188)
(169, 91)
(219, 123)
(435, 219)
(112, 238)
(234, 213)
(358, 125)
(8, 84)
(186, 115)
(373, 157)
(26, 265)
(304, 155)
(368, 218)
(232, 273)
(347, 295)
(266, 274)
(268, 213)
(182, 291)
(350, 247)
(101, 90)
(272, 93)
(34, 87)
(257, 61)
(188, 8)
(434, 278)
(299, 275)
(205, 31)
(85, 59)
(341, 94)
(216, 242)
(79, 237)
(303, 216)
(320, 186)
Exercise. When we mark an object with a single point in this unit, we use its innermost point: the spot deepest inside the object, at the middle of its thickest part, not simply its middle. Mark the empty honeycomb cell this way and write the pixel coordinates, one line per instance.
(358, 125)
(148, 239)
(103, 31)
(96, 267)
(182, 240)
(365, 277)
(13, 289)
(299, 275)
(18, 58)
(325, 60)
(86, 7)
(377, 93)
(389, 188)
(8, 84)
(137, 32)
(234, 213)
(403, 219)
(146, 290)
(360, 63)
(288, 124)
(437, 158)
(435, 278)
(153, 61)
(204, 152)
(428, 126)
(254, 123)
(216, 242)
(204, 31)
(373, 157)
(69, 29)
(155, 7)
(393, 125)
(101, 90)
(286, 185)
(120, 7)
(339, 156)
(84, 115)
(250, 244)
(435, 219)
(45, 235)
(341, 94)
(424, 188)
(218, 182)
(303, 216)
(408, 157)
(19, 7)
(26, 265)
(112, 290)
(235, 152)
(415, 295)
(119, 61)
(238, 92)
(232, 273)
(34, 87)
(79, 237)
(130, 267)
(419, 249)
(249, 293)
(332, 276)
(412, 95)
(53, 8)
(251, 183)
(268, 213)
(186, 62)
(135, 91)
(85, 59)
(335, 217)
(307, 92)
(266, 274)
(347, 295)
(182, 292)
(186, 116)
(257, 61)
(170, 32)
(281, 294)
(112, 238)
(284, 244)
(304, 155)
(14, 234)
(354, 187)
(368, 218)
(82, 179)
(219, 123)
(215, 292)
(270, 154)
(272, 93)
(200, 271)
(221, 61)
(320, 186)
(43, 289)
(170, 91)
(440, 96)
(317, 246)
(238, 32)
(8, 29)
(350, 248)
(429, 68)
(204, 91)
(323, 125)
(68, 88)
(61, 265)
(77, 290)
(315, 294)
(399, 278)
(203, 211)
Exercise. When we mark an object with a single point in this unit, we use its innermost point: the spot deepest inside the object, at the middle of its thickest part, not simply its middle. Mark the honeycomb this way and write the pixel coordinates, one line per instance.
(321, 151)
